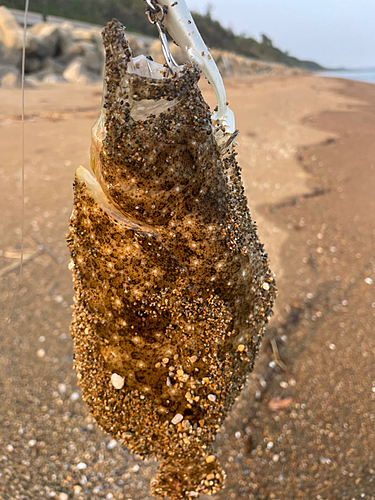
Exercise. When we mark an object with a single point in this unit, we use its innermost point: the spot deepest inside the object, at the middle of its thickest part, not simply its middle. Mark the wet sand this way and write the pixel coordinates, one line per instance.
(304, 426)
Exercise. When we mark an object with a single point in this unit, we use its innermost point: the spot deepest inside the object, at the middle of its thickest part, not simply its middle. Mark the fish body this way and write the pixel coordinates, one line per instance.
(172, 286)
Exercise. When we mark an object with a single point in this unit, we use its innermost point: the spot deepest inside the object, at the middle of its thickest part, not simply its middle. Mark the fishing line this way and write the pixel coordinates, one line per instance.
(22, 164)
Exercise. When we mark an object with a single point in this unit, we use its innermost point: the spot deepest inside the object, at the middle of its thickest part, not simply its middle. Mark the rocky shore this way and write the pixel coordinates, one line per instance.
(63, 52)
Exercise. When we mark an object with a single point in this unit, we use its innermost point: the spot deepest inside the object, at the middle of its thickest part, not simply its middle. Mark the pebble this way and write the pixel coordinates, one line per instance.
(177, 418)
(74, 396)
(40, 353)
(81, 466)
(117, 381)
(135, 468)
(112, 444)
(368, 281)
(62, 388)
(32, 443)
(212, 397)
(63, 496)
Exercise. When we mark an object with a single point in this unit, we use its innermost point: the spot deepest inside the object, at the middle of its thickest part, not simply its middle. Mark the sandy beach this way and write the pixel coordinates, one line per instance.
(303, 428)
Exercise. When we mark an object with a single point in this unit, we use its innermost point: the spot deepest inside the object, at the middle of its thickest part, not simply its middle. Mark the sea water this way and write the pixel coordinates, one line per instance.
(364, 75)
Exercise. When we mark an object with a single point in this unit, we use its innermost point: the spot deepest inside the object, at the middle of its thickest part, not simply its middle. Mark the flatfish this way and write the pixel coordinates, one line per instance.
(172, 286)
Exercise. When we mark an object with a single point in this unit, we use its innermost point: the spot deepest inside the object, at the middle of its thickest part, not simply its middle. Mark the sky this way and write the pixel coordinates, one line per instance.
(333, 33)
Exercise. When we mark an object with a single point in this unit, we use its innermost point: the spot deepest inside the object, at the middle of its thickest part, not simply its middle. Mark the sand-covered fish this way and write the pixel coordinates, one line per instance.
(173, 288)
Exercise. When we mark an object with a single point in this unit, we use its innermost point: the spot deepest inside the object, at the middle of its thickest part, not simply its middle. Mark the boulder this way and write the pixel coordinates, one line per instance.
(66, 37)
(93, 58)
(11, 38)
(50, 71)
(52, 78)
(75, 50)
(46, 42)
(9, 81)
(33, 64)
(53, 66)
(77, 72)
(138, 47)
(97, 40)
(9, 76)
(81, 35)
(11, 34)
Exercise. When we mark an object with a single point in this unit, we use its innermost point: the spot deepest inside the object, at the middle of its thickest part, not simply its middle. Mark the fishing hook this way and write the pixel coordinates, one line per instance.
(156, 15)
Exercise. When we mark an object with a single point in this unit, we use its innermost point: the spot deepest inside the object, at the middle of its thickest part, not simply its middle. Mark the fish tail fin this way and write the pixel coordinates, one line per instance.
(186, 477)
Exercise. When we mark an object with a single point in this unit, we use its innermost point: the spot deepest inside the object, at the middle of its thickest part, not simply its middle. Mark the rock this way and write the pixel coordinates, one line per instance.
(75, 50)
(46, 41)
(77, 72)
(52, 78)
(81, 35)
(97, 40)
(66, 37)
(138, 47)
(9, 76)
(9, 81)
(58, 53)
(33, 64)
(53, 66)
(51, 71)
(11, 38)
(93, 58)
(11, 33)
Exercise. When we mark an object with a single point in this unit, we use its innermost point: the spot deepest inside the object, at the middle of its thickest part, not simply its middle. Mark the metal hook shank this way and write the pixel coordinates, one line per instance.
(182, 28)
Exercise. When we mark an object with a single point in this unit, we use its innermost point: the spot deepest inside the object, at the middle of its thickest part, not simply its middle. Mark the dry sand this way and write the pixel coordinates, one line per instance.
(304, 426)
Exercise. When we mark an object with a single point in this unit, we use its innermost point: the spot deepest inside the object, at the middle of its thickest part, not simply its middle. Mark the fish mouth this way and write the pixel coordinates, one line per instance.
(129, 89)
(135, 87)
(145, 67)
(138, 131)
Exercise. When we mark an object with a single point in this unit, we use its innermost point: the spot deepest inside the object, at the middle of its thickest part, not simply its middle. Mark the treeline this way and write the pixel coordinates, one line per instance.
(132, 14)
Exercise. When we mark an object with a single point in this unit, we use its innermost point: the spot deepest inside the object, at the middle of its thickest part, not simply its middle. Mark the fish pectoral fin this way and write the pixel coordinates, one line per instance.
(96, 192)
